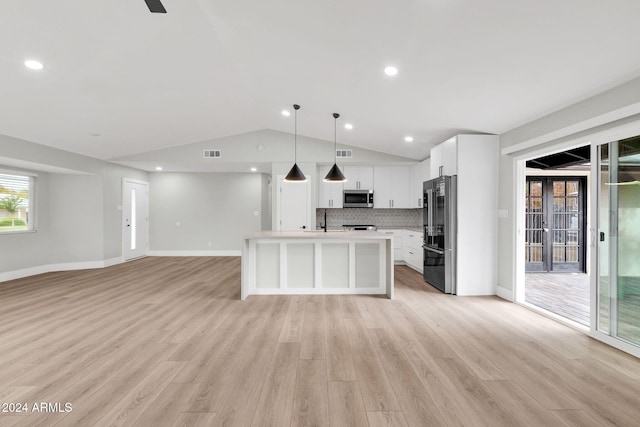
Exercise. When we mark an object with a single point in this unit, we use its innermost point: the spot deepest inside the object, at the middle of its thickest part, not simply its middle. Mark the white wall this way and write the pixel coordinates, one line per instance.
(214, 211)
(77, 199)
(75, 214)
(253, 149)
(575, 125)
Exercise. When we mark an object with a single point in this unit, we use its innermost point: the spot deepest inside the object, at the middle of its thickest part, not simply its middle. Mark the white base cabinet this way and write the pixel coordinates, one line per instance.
(412, 252)
(407, 248)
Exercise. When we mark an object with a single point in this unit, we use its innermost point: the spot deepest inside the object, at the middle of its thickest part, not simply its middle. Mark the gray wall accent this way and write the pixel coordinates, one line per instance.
(619, 102)
(78, 219)
(267, 203)
(75, 213)
(112, 176)
(389, 218)
(506, 226)
(210, 207)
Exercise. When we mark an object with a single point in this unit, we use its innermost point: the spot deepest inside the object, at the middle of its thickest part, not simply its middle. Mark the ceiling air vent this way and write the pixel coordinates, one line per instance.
(345, 154)
(212, 154)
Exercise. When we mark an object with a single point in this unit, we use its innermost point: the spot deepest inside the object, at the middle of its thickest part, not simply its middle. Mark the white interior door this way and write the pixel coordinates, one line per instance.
(293, 206)
(135, 216)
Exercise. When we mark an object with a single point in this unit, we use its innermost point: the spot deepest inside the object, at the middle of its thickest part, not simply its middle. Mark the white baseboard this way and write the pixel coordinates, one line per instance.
(504, 293)
(195, 253)
(40, 269)
(113, 261)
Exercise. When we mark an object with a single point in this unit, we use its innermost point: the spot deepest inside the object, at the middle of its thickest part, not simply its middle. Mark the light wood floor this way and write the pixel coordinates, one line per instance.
(166, 342)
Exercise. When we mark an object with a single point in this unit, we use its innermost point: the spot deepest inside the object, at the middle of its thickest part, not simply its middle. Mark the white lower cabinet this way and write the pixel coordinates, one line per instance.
(407, 248)
(412, 249)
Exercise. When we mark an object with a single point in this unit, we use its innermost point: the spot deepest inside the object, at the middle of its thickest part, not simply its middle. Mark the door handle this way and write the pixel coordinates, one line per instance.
(303, 227)
(427, 248)
(546, 230)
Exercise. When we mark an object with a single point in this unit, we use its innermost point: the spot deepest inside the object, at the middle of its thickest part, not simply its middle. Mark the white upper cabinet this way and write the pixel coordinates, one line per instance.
(329, 193)
(444, 158)
(420, 172)
(358, 177)
(391, 189)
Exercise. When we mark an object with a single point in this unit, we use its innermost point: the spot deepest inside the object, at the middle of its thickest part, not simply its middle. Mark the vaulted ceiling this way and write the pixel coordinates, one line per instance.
(119, 80)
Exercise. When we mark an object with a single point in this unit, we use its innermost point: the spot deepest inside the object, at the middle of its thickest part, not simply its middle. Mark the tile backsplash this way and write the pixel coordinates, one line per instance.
(378, 217)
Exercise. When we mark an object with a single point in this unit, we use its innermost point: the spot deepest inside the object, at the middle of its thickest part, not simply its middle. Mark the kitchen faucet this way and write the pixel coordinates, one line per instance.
(324, 227)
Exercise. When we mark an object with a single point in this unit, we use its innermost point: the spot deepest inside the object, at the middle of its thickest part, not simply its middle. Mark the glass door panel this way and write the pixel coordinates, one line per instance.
(555, 216)
(619, 240)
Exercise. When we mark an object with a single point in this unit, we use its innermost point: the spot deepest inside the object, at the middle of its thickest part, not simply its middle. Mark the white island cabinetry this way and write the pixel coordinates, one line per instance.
(276, 263)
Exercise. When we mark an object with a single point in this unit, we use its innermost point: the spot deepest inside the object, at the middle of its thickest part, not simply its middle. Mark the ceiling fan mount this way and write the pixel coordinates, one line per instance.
(155, 6)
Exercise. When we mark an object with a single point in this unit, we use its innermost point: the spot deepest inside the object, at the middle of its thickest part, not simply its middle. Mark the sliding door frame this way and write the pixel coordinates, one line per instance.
(594, 138)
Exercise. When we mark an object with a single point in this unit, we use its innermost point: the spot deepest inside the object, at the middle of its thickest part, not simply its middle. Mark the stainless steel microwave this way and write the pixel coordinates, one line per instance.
(357, 199)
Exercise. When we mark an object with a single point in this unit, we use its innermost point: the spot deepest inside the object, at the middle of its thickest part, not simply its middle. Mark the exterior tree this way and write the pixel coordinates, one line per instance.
(11, 204)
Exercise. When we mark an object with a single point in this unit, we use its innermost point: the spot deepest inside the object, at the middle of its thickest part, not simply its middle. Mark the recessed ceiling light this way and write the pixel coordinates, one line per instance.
(348, 126)
(408, 139)
(390, 70)
(158, 168)
(33, 64)
(286, 113)
(254, 169)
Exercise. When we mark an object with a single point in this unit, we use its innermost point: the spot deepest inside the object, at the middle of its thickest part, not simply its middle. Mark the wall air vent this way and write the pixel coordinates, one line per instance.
(212, 154)
(345, 154)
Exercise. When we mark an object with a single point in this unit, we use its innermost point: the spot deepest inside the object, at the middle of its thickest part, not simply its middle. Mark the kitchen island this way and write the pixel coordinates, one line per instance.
(317, 262)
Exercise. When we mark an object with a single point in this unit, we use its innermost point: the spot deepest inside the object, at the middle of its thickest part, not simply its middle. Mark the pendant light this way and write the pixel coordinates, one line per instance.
(295, 174)
(335, 174)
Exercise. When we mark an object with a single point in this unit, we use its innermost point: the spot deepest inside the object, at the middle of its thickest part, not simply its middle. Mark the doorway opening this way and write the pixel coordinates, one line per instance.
(556, 244)
(135, 219)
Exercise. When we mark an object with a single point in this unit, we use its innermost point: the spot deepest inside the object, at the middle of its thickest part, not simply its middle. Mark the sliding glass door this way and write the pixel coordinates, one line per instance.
(618, 236)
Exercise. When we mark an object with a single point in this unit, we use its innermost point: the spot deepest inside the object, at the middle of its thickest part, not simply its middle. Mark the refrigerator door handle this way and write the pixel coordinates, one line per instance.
(430, 212)
(430, 249)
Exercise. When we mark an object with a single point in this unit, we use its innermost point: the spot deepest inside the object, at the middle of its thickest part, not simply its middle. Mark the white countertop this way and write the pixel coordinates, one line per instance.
(343, 235)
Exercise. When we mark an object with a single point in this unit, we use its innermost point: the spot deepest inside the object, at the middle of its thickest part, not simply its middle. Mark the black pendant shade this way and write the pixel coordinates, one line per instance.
(335, 174)
(295, 174)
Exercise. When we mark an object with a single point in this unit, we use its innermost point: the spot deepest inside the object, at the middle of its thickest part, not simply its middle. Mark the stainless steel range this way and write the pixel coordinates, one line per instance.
(360, 227)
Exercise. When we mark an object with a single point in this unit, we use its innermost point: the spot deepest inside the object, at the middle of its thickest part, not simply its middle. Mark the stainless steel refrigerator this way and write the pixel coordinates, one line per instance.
(440, 233)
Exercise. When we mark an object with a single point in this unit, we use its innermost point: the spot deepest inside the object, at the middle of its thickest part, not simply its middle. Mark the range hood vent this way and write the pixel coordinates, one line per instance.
(212, 154)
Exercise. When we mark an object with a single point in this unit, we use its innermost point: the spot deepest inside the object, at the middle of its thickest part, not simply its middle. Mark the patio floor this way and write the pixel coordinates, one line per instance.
(565, 294)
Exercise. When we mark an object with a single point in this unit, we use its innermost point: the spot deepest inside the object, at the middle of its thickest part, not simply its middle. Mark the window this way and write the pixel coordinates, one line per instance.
(16, 203)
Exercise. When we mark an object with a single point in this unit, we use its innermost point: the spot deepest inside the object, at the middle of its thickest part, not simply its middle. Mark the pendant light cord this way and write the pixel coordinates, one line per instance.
(335, 137)
(296, 107)
(335, 140)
